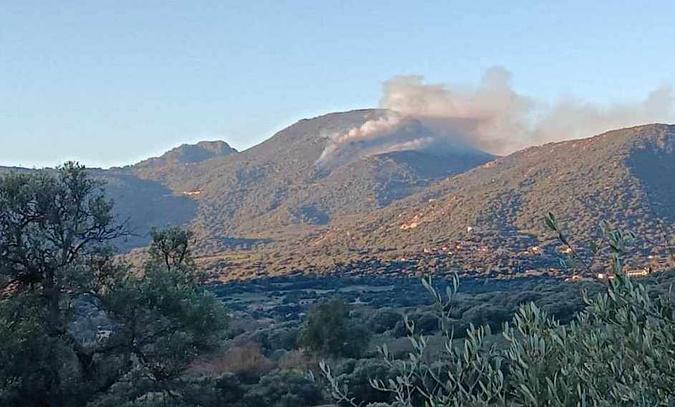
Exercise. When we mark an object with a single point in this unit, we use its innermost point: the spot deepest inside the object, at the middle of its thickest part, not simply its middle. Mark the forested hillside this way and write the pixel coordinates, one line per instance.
(490, 216)
(375, 210)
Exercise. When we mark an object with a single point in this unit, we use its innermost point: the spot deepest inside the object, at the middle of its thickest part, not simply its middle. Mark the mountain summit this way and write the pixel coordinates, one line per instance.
(191, 153)
(276, 189)
(185, 154)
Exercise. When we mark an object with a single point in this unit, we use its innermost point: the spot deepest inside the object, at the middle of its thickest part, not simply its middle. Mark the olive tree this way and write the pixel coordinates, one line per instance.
(48, 223)
(77, 325)
(329, 331)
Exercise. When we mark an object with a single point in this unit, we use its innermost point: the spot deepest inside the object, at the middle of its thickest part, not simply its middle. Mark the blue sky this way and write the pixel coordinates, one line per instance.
(112, 82)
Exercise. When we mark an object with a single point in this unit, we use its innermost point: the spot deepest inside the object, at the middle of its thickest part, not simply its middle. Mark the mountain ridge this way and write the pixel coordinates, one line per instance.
(396, 204)
(275, 189)
(582, 181)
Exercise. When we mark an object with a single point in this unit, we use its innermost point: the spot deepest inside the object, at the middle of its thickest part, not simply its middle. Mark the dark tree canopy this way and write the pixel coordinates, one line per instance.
(79, 327)
(170, 246)
(48, 222)
(329, 331)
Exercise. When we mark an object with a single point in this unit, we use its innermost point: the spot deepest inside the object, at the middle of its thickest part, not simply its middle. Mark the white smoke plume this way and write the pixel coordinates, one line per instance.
(495, 118)
(369, 129)
(491, 117)
(387, 133)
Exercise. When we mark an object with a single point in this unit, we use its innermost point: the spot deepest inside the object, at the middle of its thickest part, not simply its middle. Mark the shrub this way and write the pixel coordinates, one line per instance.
(297, 360)
(358, 380)
(246, 361)
(383, 320)
(228, 389)
(277, 338)
(329, 331)
(283, 389)
(619, 351)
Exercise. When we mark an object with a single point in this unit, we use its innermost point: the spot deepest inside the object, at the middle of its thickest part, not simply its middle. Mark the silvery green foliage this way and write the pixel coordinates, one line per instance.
(471, 374)
(619, 351)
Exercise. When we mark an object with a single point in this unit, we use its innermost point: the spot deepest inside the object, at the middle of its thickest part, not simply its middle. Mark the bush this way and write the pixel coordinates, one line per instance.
(329, 331)
(272, 339)
(229, 389)
(383, 320)
(283, 389)
(357, 379)
(487, 314)
(246, 361)
(619, 351)
(297, 360)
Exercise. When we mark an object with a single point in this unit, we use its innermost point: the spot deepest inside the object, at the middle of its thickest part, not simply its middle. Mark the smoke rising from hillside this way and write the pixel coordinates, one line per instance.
(368, 130)
(388, 133)
(492, 117)
(495, 118)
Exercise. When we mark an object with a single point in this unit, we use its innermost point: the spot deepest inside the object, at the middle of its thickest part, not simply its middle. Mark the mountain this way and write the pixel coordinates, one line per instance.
(330, 193)
(275, 191)
(142, 200)
(141, 204)
(279, 190)
(180, 159)
(491, 216)
(190, 154)
(144, 204)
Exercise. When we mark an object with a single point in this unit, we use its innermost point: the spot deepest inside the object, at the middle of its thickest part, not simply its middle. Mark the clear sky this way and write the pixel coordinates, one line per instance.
(111, 82)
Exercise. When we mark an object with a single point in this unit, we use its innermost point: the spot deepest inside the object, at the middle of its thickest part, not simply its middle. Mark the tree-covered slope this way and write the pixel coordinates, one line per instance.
(276, 190)
(626, 177)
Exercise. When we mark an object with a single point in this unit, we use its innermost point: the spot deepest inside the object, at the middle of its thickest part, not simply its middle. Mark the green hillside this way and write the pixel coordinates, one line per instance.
(626, 177)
